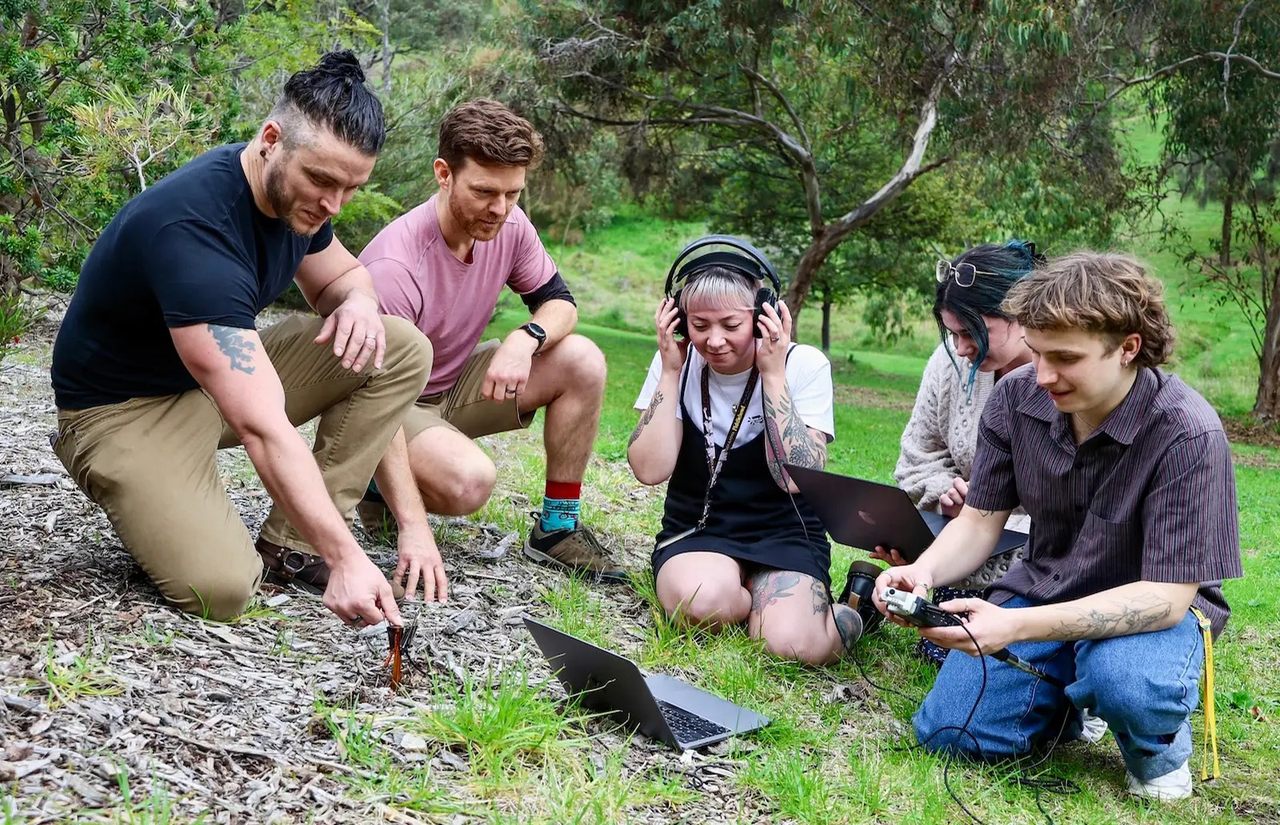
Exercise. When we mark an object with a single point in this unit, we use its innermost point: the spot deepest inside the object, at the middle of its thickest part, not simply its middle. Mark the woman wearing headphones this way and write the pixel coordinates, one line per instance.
(738, 544)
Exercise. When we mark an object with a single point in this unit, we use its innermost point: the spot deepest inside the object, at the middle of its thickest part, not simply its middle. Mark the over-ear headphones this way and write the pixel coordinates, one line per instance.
(741, 257)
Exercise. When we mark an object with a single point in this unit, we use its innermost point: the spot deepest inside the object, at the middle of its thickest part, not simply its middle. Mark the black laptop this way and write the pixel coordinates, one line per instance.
(660, 707)
(863, 514)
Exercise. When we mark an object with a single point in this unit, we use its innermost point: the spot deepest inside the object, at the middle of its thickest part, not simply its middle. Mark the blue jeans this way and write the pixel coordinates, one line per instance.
(1143, 685)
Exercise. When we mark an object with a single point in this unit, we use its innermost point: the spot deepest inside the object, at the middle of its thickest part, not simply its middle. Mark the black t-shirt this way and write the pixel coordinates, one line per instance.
(192, 249)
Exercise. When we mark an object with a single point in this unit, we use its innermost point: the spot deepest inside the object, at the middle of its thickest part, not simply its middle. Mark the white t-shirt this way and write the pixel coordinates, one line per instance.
(808, 378)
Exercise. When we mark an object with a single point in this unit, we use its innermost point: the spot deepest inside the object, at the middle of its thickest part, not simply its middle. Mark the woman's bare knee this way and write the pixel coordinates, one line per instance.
(707, 602)
(808, 645)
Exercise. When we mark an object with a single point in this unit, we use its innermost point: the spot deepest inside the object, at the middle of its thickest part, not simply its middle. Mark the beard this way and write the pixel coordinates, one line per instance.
(475, 228)
(282, 203)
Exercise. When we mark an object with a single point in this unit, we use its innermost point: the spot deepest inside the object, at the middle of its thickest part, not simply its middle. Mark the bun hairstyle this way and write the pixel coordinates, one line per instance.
(999, 267)
(332, 95)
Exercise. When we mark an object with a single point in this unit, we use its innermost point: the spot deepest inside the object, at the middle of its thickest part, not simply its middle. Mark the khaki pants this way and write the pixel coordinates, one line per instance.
(463, 406)
(150, 462)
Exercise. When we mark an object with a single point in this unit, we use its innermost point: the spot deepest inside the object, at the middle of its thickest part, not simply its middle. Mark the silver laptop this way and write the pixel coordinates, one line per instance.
(863, 514)
(660, 707)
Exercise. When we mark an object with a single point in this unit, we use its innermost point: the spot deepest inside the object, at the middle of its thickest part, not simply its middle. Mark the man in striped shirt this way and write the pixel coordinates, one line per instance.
(1127, 476)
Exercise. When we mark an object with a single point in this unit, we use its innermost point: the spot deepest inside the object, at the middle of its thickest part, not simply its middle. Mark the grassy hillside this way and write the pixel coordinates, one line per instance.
(617, 274)
(839, 750)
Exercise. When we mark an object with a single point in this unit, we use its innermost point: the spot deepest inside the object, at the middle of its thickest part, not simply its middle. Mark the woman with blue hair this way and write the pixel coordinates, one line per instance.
(980, 345)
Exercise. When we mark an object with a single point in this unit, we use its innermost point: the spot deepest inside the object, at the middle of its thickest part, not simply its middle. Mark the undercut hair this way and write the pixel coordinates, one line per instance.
(1106, 293)
(331, 95)
(488, 133)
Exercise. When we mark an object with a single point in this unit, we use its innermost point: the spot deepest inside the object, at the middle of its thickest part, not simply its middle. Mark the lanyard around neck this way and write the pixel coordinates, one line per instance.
(716, 458)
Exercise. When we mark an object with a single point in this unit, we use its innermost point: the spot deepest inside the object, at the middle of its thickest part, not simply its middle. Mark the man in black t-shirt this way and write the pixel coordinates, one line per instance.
(158, 362)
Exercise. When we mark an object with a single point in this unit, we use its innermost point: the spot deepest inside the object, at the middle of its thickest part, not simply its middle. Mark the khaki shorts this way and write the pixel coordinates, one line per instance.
(462, 408)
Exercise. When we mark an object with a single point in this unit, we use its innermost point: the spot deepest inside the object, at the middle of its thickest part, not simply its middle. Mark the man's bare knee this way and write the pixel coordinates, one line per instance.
(584, 362)
(459, 490)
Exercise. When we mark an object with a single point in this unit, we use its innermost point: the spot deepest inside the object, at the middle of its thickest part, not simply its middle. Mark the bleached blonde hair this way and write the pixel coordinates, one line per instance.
(718, 287)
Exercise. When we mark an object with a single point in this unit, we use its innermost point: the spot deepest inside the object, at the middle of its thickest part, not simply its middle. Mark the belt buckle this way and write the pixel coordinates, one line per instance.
(294, 562)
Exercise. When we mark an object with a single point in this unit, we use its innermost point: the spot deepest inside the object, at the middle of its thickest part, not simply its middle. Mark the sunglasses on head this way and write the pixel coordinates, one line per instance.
(965, 274)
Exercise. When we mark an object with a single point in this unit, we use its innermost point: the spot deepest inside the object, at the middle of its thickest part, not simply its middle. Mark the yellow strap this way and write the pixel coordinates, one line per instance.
(1206, 700)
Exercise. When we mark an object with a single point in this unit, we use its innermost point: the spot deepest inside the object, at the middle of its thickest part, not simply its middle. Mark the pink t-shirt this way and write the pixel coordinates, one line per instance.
(417, 277)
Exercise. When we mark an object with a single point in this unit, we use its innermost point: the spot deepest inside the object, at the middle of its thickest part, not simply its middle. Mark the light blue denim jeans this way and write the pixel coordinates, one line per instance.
(1144, 686)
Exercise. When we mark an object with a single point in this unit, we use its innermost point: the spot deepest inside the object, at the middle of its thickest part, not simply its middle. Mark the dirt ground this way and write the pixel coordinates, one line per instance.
(112, 700)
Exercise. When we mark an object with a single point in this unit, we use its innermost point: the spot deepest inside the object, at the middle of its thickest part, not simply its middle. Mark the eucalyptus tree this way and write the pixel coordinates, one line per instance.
(792, 86)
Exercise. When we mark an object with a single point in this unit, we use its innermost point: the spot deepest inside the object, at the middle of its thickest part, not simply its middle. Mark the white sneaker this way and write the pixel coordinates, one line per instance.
(1172, 786)
(1092, 728)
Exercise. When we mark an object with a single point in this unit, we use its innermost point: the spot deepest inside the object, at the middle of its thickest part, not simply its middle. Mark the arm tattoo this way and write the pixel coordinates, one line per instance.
(649, 412)
(1141, 614)
(236, 345)
(790, 441)
(771, 587)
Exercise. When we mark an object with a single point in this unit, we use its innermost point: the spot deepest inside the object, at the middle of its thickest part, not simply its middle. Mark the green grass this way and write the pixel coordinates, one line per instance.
(839, 749)
(822, 760)
(1213, 352)
(68, 678)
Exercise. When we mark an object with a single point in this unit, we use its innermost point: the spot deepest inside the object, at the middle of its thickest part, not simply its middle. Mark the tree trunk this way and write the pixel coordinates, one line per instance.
(826, 320)
(1224, 251)
(1267, 404)
(386, 47)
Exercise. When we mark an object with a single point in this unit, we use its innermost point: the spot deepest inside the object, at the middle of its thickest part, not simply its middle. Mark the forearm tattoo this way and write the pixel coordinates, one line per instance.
(790, 441)
(1142, 614)
(236, 345)
(646, 417)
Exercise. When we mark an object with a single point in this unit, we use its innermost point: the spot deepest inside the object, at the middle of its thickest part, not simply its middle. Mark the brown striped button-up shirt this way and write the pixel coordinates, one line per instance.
(1149, 496)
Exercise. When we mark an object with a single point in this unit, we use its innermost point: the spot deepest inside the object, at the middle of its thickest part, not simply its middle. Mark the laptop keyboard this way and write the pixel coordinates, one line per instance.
(686, 726)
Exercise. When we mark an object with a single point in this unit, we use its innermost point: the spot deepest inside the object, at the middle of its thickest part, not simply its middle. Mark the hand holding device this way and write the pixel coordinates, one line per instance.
(910, 578)
(892, 555)
(915, 610)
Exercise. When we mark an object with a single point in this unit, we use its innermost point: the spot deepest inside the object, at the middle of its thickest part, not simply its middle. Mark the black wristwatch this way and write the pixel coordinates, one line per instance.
(537, 333)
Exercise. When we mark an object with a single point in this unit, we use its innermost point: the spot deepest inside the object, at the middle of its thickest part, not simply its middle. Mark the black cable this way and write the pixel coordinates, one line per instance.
(1056, 785)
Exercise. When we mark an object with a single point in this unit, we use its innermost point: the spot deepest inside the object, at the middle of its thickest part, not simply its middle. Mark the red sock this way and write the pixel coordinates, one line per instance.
(563, 489)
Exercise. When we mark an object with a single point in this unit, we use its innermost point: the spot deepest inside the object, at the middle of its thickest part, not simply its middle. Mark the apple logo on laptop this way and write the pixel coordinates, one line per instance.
(865, 516)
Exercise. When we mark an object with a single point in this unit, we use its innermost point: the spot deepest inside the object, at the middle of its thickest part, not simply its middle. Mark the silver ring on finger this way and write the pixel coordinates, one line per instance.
(773, 339)
(511, 390)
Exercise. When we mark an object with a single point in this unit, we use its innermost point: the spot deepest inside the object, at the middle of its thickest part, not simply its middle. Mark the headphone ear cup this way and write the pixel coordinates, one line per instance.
(764, 295)
(682, 323)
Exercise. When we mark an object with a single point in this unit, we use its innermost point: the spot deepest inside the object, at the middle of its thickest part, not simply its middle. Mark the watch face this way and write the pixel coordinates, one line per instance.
(536, 331)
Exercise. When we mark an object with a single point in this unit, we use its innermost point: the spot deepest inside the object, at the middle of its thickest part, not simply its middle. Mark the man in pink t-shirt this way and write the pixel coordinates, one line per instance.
(443, 265)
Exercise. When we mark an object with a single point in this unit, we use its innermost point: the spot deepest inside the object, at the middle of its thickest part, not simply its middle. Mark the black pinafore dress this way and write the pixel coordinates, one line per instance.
(751, 519)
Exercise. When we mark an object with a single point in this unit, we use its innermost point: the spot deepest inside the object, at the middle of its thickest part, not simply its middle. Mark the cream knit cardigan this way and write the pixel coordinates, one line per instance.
(940, 439)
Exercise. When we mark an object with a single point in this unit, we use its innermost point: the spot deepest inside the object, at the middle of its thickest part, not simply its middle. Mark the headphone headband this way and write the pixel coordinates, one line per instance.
(744, 253)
